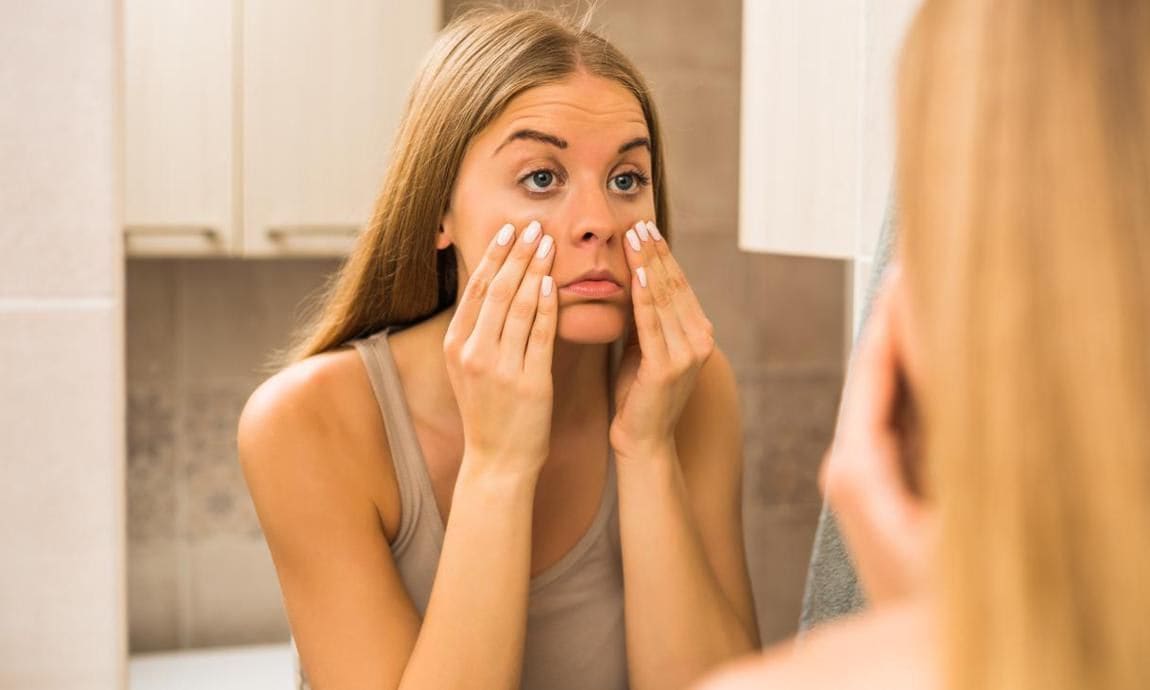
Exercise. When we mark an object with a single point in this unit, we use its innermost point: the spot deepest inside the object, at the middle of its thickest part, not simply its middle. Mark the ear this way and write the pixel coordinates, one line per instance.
(444, 237)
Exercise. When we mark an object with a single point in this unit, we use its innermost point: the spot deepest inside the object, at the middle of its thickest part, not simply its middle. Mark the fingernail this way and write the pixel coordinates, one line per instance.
(633, 240)
(654, 232)
(642, 276)
(532, 231)
(642, 228)
(505, 234)
(548, 285)
(544, 247)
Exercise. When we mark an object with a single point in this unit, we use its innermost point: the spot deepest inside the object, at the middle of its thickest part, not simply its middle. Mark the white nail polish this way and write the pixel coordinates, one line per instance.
(654, 232)
(505, 234)
(544, 247)
(633, 240)
(641, 227)
(642, 276)
(532, 231)
(548, 285)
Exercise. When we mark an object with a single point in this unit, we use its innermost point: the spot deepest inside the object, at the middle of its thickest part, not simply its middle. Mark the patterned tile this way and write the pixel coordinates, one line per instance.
(216, 499)
(151, 475)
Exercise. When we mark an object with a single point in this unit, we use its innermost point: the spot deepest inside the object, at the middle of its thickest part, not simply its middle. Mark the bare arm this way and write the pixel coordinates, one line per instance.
(353, 622)
(679, 449)
(689, 603)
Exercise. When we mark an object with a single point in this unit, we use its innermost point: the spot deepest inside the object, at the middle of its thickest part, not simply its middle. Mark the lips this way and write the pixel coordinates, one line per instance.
(594, 284)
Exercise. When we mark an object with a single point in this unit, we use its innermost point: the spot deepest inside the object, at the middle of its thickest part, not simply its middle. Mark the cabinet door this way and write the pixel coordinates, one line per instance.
(179, 127)
(324, 84)
(818, 80)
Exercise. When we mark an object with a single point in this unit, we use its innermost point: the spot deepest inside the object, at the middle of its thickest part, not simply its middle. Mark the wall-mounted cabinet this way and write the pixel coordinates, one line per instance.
(262, 127)
(818, 126)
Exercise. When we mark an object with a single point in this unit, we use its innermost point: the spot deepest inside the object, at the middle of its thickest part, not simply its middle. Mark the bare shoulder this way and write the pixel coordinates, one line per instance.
(891, 649)
(318, 420)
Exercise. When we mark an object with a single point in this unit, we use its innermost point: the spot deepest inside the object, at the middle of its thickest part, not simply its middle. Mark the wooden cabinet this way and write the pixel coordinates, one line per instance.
(179, 139)
(287, 127)
(817, 149)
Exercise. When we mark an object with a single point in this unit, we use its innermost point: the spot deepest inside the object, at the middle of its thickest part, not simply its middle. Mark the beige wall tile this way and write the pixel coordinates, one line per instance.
(234, 596)
(61, 589)
(59, 150)
(779, 544)
(155, 579)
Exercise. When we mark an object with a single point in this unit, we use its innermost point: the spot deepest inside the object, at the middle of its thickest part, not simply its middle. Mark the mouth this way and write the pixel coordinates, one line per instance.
(594, 285)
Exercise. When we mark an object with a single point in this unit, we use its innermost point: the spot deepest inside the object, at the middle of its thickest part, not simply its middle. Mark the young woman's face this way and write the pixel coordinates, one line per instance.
(574, 155)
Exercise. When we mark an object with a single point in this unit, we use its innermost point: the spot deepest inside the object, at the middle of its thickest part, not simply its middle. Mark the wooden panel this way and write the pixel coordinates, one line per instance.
(178, 114)
(802, 82)
(324, 85)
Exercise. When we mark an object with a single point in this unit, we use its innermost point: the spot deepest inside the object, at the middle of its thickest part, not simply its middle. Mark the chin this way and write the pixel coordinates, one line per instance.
(593, 323)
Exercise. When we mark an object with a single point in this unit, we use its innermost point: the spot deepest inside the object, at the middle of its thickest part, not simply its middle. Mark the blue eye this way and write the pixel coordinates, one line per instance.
(628, 183)
(539, 180)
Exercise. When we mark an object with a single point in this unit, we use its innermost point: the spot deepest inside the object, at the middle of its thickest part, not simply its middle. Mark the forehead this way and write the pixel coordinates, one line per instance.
(580, 106)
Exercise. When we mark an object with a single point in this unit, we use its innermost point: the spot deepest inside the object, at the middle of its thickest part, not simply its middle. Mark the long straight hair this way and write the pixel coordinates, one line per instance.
(1024, 177)
(480, 62)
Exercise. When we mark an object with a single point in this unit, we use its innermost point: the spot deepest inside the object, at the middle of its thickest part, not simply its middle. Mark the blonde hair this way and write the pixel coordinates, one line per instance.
(479, 63)
(1024, 174)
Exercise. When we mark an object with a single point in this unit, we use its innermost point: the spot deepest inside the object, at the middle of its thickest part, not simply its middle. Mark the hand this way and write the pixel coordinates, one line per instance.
(498, 349)
(869, 474)
(672, 340)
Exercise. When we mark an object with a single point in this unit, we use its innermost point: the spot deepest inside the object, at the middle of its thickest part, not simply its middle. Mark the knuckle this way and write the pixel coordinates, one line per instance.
(521, 309)
(663, 298)
(477, 288)
(500, 291)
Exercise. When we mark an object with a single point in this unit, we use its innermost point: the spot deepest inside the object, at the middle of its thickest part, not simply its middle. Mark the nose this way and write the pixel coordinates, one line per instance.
(593, 220)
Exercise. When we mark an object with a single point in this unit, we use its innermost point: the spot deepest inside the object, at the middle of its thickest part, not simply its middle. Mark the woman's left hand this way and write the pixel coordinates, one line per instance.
(672, 340)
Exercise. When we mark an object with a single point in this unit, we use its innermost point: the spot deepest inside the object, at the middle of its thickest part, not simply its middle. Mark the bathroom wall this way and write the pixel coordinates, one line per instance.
(62, 624)
(199, 336)
(199, 330)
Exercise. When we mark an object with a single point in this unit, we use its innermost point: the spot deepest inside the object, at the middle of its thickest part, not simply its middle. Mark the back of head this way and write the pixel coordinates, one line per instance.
(1025, 181)
(479, 63)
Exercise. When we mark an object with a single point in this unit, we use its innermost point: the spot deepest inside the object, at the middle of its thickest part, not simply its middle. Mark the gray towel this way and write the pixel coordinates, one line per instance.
(832, 587)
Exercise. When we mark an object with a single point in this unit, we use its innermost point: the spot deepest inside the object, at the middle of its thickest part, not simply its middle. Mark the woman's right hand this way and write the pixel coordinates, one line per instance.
(498, 348)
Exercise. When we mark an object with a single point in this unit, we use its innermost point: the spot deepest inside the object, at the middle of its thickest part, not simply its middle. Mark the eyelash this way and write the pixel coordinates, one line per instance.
(641, 179)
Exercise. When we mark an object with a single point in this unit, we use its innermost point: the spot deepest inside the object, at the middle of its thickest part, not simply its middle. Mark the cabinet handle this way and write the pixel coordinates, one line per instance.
(283, 232)
(207, 232)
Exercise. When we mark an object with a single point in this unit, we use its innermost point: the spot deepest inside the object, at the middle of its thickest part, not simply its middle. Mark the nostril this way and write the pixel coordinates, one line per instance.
(588, 236)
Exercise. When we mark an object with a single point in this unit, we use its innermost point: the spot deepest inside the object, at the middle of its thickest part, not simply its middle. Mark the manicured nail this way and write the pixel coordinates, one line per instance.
(544, 247)
(505, 234)
(641, 227)
(532, 232)
(642, 276)
(548, 285)
(654, 232)
(633, 240)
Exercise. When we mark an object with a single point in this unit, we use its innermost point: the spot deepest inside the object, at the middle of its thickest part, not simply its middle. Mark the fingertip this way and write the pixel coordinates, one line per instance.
(505, 235)
(641, 274)
(547, 287)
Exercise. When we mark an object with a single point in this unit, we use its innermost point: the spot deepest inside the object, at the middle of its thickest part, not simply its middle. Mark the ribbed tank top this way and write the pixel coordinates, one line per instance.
(575, 627)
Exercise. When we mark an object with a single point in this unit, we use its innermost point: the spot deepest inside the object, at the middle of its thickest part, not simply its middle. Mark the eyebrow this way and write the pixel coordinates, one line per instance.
(536, 135)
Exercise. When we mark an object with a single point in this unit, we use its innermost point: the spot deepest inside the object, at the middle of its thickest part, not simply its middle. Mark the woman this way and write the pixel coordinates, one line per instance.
(456, 478)
(1014, 551)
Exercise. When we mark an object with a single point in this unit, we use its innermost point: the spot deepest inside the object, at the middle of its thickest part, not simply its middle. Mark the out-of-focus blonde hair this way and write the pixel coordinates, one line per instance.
(479, 63)
(1024, 176)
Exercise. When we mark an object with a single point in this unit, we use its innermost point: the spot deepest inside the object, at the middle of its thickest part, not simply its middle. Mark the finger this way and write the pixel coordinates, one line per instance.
(686, 301)
(648, 326)
(505, 284)
(541, 342)
(662, 293)
(468, 306)
(522, 312)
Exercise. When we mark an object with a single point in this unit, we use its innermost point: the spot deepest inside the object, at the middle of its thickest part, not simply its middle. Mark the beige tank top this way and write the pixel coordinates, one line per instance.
(575, 628)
